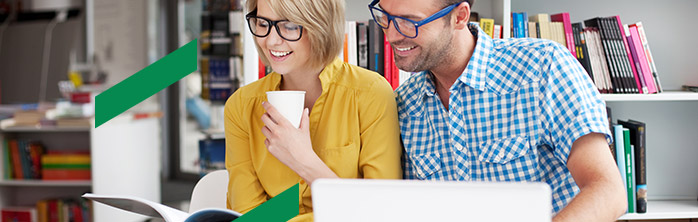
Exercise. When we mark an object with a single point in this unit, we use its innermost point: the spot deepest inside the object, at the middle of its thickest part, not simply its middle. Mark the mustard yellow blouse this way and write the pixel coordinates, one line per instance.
(353, 129)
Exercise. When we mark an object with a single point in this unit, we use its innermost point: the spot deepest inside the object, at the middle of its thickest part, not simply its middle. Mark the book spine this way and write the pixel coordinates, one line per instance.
(590, 37)
(630, 181)
(636, 61)
(631, 62)
(648, 55)
(387, 60)
(6, 160)
(644, 66)
(487, 26)
(641, 170)
(607, 55)
(362, 44)
(621, 56)
(620, 152)
(567, 24)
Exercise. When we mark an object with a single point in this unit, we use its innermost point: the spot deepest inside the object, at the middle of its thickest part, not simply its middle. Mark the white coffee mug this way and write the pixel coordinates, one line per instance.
(289, 104)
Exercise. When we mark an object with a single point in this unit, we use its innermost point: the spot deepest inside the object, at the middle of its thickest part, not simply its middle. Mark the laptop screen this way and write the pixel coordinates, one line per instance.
(339, 200)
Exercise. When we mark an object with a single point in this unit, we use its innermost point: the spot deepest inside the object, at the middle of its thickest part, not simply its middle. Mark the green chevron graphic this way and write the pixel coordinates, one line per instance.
(145, 83)
(280, 208)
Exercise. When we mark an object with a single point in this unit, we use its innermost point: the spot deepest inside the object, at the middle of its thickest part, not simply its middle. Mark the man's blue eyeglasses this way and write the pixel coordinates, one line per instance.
(405, 26)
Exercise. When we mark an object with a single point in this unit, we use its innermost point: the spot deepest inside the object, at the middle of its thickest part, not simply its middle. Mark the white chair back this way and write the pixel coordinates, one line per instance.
(210, 191)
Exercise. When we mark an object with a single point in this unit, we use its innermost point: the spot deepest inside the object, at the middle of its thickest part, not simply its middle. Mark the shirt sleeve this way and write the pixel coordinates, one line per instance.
(573, 106)
(245, 192)
(380, 136)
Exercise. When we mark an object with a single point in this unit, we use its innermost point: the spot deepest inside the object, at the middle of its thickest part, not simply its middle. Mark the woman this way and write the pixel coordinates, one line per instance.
(349, 128)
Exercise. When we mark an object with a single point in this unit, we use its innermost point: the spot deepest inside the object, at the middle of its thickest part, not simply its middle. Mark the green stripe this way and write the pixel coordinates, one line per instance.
(280, 208)
(145, 83)
(66, 166)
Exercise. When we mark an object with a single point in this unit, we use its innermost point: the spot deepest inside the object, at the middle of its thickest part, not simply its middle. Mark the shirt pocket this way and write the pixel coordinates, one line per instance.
(342, 160)
(503, 151)
(508, 159)
(426, 165)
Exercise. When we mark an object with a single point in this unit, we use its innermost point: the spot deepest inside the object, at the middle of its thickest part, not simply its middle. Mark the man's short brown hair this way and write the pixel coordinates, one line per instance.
(451, 2)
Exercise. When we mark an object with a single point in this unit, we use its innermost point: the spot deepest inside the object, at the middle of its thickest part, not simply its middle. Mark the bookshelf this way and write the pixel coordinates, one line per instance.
(670, 116)
(666, 96)
(119, 149)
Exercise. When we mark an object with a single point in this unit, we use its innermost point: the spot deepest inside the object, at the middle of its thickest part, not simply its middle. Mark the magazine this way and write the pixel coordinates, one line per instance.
(157, 210)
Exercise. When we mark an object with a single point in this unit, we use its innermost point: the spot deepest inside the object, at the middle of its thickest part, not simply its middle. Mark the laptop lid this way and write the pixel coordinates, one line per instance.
(339, 200)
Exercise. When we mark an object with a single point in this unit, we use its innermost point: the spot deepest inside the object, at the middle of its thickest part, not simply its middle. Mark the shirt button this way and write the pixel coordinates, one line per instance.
(458, 146)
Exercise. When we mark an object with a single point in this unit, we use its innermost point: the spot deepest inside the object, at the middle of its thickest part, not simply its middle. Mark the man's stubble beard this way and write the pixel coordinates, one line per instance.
(433, 55)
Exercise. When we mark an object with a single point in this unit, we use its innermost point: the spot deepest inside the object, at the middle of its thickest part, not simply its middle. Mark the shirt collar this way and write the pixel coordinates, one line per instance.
(327, 75)
(475, 73)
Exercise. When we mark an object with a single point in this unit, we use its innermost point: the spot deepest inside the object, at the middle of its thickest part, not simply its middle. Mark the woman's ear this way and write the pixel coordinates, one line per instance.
(462, 13)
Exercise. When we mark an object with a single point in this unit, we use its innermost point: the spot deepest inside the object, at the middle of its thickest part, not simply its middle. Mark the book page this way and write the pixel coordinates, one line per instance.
(140, 206)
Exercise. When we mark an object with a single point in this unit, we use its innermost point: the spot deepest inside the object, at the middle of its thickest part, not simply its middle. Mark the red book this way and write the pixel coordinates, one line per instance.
(18, 214)
(66, 174)
(569, 37)
(387, 59)
(262, 70)
(16, 161)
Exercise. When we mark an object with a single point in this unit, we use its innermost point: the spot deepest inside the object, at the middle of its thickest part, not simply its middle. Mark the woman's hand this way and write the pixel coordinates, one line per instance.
(292, 146)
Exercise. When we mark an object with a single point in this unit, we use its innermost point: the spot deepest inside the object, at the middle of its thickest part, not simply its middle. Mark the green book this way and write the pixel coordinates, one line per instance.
(630, 180)
(7, 161)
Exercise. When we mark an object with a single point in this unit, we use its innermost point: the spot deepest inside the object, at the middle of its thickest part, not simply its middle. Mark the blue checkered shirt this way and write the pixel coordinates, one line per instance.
(513, 115)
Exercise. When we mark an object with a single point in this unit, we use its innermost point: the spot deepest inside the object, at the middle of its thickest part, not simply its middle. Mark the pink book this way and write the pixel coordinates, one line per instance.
(635, 61)
(565, 19)
(645, 67)
(624, 34)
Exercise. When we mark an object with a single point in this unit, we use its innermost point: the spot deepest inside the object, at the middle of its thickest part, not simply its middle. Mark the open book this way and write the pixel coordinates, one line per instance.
(169, 214)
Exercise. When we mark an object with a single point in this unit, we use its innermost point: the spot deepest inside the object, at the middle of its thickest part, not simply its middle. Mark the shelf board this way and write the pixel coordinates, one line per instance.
(666, 209)
(664, 96)
(39, 129)
(46, 183)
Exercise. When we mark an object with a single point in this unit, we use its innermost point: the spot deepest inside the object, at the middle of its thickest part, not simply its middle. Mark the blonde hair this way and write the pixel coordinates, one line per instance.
(322, 21)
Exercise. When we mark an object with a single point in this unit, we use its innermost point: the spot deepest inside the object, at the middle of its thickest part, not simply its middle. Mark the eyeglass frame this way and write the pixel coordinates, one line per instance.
(391, 18)
(253, 14)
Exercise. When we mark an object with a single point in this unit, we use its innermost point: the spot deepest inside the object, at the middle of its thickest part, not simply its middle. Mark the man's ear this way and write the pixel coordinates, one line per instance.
(462, 13)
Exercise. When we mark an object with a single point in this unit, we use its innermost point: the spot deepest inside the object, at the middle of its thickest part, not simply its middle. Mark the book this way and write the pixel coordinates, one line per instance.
(23, 214)
(689, 88)
(648, 54)
(620, 48)
(629, 178)
(608, 54)
(636, 61)
(620, 152)
(157, 210)
(637, 140)
(641, 57)
(626, 45)
(567, 27)
(543, 23)
(581, 48)
(487, 25)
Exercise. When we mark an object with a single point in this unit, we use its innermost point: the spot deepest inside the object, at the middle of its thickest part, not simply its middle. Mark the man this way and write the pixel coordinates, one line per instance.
(480, 109)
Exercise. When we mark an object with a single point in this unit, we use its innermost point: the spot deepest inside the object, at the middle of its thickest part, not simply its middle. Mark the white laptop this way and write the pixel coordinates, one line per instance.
(339, 200)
